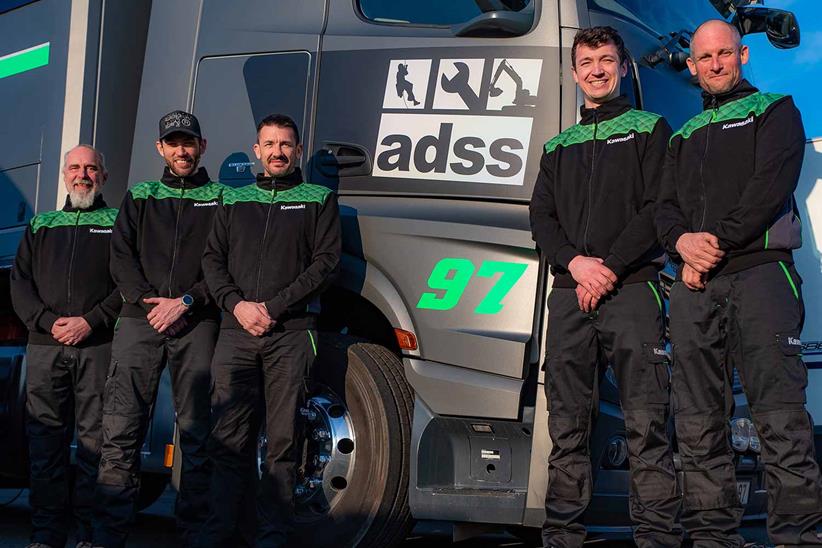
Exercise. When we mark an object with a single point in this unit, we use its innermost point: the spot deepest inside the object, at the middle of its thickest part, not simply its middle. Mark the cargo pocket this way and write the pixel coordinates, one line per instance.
(110, 391)
(656, 376)
(794, 374)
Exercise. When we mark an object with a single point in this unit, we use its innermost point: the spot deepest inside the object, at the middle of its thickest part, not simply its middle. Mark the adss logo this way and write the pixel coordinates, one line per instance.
(426, 135)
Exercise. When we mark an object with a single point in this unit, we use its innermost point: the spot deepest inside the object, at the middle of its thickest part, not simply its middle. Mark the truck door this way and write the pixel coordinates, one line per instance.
(32, 75)
(431, 118)
(253, 61)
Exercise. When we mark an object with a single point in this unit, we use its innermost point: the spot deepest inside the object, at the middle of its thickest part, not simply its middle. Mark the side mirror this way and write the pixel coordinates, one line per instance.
(780, 26)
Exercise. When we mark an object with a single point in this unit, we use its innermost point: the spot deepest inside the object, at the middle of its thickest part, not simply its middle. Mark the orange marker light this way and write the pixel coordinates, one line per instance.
(406, 339)
(168, 458)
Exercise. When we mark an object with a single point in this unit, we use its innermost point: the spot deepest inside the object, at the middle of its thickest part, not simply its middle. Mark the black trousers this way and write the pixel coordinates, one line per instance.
(249, 371)
(138, 357)
(626, 331)
(64, 389)
(750, 320)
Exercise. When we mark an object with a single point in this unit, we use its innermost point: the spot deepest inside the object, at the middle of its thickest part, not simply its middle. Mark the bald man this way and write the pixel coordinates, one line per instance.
(62, 290)
(727, 215)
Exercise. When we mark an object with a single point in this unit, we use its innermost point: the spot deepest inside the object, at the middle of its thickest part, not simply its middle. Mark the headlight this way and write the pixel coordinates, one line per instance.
(744, 436)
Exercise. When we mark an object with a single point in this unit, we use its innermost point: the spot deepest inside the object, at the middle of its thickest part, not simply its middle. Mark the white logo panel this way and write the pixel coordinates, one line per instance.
(476, 149)
(407, 84)
(459, 84)
(514, 83)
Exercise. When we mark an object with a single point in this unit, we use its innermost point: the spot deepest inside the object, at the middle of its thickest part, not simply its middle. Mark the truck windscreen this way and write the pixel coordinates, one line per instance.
(662, 17)
(434, 12)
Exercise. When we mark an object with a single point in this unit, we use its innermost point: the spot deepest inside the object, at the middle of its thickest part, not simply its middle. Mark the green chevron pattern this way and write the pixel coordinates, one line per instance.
(754, 104)
(304, 192)
(637, 121)
(159, 191)
(100, 217)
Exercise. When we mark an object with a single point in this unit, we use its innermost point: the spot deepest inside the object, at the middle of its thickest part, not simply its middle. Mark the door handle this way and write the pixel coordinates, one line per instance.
(344, 160)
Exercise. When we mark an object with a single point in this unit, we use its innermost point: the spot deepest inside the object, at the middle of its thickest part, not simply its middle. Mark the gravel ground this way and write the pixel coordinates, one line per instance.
(155, 529)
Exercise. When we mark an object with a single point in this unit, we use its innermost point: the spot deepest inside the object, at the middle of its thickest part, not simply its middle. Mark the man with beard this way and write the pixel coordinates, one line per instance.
(62, 290)
(592, 218)
(168, 318)
(272, 250)
(737, 302)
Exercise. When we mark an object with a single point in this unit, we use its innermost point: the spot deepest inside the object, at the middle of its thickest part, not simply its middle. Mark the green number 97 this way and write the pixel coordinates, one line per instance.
(451, 275)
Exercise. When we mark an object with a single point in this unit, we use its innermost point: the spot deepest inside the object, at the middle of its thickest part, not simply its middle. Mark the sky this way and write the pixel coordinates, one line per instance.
(793, 71)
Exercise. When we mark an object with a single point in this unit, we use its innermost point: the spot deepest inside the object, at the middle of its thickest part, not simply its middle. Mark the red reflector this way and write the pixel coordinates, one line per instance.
(11, 329)
(406, 339)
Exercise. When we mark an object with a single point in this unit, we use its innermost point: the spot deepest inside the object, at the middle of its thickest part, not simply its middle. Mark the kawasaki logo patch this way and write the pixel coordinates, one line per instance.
(205, 204)
(745, 122)
(99, 230)
(620, 139)
(284, 207)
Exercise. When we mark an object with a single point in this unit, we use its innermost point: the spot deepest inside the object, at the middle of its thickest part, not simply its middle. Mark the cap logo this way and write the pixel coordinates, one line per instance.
(177, 119)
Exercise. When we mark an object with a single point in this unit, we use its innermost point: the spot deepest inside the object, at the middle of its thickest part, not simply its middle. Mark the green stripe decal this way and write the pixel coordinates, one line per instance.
(313, 344)
(767, 232)
(790, 280)
(25, 60)
(656, 294)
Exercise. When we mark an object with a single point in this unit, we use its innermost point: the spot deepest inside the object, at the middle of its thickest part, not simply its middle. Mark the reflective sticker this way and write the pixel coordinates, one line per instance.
(24, 60)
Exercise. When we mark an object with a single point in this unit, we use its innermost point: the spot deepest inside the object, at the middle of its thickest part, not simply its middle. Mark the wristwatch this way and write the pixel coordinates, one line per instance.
(188, 300)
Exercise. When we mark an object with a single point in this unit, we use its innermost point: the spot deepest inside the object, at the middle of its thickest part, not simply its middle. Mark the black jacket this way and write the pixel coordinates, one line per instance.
(277, 242)
(158, 242)
(595, 193)
(61, 269)
(731, 171)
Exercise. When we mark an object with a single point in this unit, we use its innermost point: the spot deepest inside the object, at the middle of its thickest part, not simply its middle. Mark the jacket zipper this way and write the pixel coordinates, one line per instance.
(590, 187)
(715, 107)
(71, 257)
(262, 243)
(176, 233)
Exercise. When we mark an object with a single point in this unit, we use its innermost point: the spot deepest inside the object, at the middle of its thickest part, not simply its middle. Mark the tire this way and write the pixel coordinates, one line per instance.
(371, 509)
(152, 487)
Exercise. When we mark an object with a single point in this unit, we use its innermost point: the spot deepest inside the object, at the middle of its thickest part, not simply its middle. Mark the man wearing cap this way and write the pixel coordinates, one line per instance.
(62, 290)
(168, 317)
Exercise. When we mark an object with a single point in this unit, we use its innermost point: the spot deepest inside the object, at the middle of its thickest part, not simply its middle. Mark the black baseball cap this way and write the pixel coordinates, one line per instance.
(179, 121)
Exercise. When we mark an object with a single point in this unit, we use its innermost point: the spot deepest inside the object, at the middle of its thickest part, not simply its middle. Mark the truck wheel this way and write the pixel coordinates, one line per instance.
(152, 487)
(352, 489)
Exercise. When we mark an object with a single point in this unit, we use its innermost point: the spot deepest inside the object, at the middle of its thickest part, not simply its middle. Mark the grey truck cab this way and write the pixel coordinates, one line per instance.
(428, 118)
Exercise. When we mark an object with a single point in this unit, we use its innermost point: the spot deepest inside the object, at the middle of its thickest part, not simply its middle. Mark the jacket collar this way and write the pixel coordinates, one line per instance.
(280, 183)
(740, 90)
(197, 179)
(606, 111)
(98, 203)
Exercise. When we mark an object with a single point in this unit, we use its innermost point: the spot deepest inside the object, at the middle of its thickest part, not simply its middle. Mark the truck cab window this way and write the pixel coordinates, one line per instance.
(433, 12)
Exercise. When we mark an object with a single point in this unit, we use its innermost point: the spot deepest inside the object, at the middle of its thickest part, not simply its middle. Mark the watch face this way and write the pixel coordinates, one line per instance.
(188, 300)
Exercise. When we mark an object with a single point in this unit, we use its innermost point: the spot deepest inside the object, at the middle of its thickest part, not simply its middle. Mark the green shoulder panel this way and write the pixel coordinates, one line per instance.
(637, 121)
(574, 135)
(157, 190)
(101, 217)
(52, 219)
(247, 193)
(304, 192)
(633, 120)
(752, 105)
